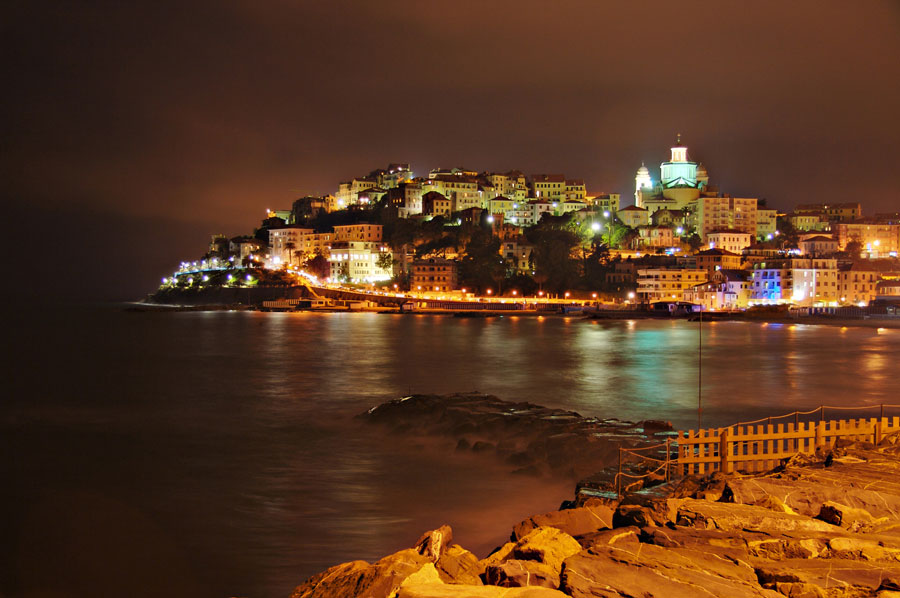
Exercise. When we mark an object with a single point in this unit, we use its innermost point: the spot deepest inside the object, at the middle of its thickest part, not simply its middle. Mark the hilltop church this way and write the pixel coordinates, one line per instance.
(684, 187)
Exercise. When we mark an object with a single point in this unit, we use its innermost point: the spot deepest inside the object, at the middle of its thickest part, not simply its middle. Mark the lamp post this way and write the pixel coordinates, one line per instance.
(699, 371)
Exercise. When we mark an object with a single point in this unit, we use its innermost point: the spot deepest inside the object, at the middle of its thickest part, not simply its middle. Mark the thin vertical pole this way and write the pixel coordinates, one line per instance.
(619, 476)
(700, 371)
(667, 460)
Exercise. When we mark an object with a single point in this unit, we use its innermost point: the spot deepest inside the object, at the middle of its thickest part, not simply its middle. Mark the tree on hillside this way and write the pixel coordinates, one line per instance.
(318, 266)
(554, 249)
(290, 246)
(482, 267)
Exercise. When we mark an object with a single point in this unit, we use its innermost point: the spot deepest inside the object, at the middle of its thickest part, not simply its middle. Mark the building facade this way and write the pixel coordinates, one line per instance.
(662, 284)
(433, 274)
(801, 281)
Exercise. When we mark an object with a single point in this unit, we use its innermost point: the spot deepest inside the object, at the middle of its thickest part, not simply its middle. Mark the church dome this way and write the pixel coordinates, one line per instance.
(701, 169)
(642, 171)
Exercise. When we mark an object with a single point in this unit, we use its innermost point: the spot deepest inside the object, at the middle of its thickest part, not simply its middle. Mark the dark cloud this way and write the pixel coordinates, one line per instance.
(209, 112)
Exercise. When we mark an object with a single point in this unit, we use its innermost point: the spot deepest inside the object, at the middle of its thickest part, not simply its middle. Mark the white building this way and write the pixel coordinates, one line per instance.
(357, 261)
(729, 240)
(662, 284)
(805, 282)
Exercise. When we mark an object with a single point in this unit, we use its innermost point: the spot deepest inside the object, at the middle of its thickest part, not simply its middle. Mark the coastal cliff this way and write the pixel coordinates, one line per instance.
(818, 526)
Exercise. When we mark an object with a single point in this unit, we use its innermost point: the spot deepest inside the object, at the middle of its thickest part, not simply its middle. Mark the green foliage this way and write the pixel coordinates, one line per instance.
(555, 242)
(385, 261)
(482, 267)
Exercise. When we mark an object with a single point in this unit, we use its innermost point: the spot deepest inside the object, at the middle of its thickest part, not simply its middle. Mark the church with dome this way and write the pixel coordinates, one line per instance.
(683, 187)
(681, 182)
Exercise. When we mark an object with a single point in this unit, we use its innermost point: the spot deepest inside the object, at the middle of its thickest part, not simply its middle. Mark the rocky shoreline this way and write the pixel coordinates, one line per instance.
(816, 527)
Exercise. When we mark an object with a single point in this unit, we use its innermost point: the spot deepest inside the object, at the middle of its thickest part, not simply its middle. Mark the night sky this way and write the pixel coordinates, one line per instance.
(134, 130)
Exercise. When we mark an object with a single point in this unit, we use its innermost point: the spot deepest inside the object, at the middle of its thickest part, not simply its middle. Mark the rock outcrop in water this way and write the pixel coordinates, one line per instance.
(817, 527)
(530, 438)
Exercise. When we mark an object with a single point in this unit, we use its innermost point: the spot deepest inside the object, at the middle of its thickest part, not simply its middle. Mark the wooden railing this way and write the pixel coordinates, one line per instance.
(760, 447)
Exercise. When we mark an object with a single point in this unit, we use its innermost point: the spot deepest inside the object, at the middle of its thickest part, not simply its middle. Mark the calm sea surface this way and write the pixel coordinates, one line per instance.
(214, 454)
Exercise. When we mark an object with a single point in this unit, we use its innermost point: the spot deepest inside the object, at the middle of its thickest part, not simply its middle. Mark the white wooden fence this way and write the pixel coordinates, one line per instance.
(761, 447)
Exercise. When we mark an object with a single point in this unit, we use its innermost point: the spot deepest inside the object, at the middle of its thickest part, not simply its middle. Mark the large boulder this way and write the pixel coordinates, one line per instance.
(362, 580)
(546, 545)
(736, 518)
(850, 518)
(499, 555)
(575, 522)
(657, 572)
(458, 565)
(432, 543)
(455, 591)
(515, 573)
(806, 497)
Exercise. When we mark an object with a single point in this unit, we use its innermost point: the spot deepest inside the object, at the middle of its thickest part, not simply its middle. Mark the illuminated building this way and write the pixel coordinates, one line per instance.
(348, 192)
(681, 182)
(817, 245)
(654, 236)
(664, 217)
(634, 216)
(642, 184)
(436, 204)
(242, 247)
(461, 190)
(713, 214)
(660, 284)
(729, 240)
(549, 187)
(357, 261)
(518, 253)
(512, 185)
(766, 223)
(837, 212)
(857, 283)
(800, 281)
(407, 198)
(713, 260)
(876, 239)
(284, 242)
(575, 190)
(808, 222)
(725, 290)
(433, 275)
(605, 202)
(370, 233)
(684, 186)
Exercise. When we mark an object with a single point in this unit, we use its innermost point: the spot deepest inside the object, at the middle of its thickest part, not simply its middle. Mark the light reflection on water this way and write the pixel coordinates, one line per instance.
(231, 432)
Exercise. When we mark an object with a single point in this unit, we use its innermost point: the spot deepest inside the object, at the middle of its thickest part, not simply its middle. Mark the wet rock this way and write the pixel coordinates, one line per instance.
(657, 572)
(621, 536)
(546, 545)
(432, 543)
(358, 578)
(575, 522)
(515, 573)
(849, 518)
(737, 518)
(499, 555)
(458, 565)
(532, 438)
(451, 591)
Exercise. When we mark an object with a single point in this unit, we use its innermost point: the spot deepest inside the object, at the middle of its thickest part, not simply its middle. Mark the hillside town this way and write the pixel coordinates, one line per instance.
(477, 234)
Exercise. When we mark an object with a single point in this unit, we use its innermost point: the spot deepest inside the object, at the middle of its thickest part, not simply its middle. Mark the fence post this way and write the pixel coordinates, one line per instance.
(667, 460)
(619, 477)
(723, 451)
(820, 434)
